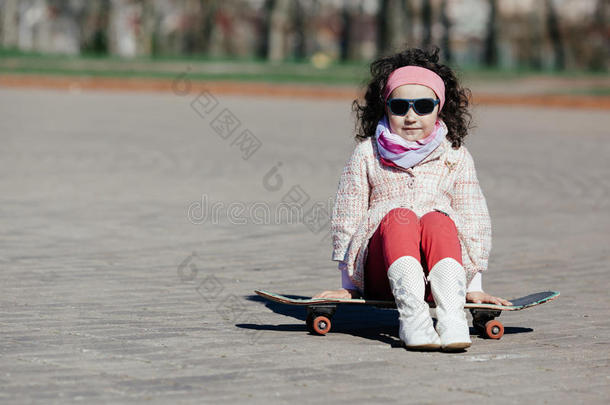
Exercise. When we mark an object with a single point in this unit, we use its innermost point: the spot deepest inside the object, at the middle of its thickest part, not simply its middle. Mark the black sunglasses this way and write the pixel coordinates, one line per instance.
(421, 106)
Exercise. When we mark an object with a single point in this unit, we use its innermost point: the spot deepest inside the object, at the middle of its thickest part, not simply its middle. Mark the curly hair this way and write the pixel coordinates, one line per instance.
(455, 112)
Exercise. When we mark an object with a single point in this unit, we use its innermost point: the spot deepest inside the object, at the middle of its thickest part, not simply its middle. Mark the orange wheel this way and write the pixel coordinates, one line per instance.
(494, 329)
(321, 324)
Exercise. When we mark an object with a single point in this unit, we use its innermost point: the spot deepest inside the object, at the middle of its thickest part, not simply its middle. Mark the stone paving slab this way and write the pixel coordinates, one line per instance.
(118, 288)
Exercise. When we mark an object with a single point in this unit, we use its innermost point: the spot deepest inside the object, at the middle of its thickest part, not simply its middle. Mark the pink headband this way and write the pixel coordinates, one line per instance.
(416, 75)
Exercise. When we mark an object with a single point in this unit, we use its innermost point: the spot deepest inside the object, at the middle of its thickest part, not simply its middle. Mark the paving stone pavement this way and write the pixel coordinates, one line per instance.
(133, 235)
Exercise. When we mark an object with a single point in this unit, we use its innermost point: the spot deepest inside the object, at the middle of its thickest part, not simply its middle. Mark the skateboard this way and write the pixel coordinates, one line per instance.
(321, 310)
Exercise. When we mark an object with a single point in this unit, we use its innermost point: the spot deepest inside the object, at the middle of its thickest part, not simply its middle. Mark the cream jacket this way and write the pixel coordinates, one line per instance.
(445, 180)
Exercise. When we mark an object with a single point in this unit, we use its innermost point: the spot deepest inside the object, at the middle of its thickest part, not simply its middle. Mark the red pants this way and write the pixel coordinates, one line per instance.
(432, 237)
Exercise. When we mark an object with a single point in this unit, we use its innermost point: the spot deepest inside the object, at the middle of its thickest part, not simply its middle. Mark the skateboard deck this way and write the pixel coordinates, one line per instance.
(321, 310)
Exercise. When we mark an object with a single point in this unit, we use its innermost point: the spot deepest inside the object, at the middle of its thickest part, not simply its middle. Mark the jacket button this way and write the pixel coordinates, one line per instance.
(411, 183)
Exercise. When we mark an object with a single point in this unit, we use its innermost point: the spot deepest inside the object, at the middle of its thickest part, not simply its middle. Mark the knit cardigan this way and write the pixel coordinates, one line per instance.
(445, 180)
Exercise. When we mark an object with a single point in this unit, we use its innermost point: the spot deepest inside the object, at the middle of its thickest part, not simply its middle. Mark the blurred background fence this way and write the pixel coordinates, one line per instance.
(546, 35)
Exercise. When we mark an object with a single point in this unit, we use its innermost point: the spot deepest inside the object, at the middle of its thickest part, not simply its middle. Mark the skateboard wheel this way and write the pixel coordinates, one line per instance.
(321, 324)
(494, 329)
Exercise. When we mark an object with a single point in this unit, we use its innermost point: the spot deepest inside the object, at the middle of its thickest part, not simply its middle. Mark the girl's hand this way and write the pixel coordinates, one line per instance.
(340, 294)
(480, 297)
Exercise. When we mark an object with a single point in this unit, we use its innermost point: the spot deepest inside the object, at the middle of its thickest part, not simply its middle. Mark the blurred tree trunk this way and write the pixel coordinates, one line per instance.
(426, 18)
(299, 30)
(552, 21)
(600, 41)
(346, 29)
(446, 40)
(191, 38)
(94, 26)
(534, 40)
(391, 30)
(10, 23)
(264, 31)
(490, 53)
(147, 29)
(407, 14)
(383, 29)
(277, 35)
(208, 11)
(226, 17)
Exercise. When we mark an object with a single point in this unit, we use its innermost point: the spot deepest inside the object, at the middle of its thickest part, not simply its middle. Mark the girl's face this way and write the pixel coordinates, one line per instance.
(412, 127)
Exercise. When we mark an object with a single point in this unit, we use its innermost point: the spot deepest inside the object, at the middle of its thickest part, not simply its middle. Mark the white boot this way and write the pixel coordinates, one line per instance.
(408, 286)
(448, 283)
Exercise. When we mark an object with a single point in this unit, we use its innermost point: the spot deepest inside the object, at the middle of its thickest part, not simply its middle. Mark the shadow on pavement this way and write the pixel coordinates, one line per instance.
(361, 321)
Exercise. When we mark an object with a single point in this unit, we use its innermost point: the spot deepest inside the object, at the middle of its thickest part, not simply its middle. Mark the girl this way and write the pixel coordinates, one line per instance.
(410, 222)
